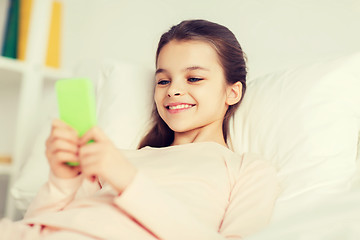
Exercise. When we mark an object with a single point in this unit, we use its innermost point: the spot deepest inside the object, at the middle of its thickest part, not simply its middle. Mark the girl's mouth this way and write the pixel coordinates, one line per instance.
(179, 107)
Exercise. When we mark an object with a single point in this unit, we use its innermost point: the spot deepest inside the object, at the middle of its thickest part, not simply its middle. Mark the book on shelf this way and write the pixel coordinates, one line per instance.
(9, 47)
(15, 18)
(4, 8)
(5, 159)
(53, 50)
(24, 22)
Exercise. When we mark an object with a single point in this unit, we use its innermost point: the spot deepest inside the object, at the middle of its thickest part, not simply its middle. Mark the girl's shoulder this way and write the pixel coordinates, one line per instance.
(256, 164)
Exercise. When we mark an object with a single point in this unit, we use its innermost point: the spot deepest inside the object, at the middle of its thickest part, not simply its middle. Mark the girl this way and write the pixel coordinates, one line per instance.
(183, 182)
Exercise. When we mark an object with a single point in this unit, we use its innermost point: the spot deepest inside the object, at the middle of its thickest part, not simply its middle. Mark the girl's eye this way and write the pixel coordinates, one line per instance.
(194, 79)
(163, 82)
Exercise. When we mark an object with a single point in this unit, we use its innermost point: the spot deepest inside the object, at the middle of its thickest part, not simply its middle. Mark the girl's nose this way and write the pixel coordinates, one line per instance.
(175, 94)
(175, 90)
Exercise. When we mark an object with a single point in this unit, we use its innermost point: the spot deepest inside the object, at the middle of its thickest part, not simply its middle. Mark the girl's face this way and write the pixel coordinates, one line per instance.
(191, 90)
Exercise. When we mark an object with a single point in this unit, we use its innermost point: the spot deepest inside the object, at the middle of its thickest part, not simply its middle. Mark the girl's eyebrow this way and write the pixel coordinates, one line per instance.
(161, 70)
(195, 68)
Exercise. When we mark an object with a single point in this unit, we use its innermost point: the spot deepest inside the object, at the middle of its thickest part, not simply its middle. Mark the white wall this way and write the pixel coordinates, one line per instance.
(274, 33)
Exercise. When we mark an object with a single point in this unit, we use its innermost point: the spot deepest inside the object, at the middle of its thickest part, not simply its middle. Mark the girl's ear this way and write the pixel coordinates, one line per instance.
(233, 93)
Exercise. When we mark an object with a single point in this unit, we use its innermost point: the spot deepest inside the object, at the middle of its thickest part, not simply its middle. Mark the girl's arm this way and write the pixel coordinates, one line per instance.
(57, 193)
(250, 207)
(54, 195)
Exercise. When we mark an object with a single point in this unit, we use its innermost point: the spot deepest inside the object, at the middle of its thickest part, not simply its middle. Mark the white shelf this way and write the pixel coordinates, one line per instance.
(53, 74)
(12, 64)
(5, 168)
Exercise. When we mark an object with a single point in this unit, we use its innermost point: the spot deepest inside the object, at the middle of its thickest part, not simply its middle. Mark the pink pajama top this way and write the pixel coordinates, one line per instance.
(195, 191)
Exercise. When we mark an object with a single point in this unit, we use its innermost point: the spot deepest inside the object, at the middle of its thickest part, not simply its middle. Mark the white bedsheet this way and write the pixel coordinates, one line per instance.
(316, 217)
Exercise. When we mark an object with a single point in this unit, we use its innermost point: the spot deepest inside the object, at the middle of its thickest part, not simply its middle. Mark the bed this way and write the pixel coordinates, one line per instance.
(305, 120)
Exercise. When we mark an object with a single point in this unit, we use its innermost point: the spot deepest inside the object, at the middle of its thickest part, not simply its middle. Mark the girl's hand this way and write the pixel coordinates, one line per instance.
(61, 147)
(102, 159)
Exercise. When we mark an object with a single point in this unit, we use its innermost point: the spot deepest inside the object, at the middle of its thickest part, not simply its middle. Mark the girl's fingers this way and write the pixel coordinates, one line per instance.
(89, 164)
(61, 133)
(89, 168)
(77, 169)
(62, 145)
(94, 134)
(89, 150)
(65, 157)
(58, 123)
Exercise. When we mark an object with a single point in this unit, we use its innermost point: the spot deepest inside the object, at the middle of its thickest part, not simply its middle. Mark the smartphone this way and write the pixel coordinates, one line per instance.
(76, 103)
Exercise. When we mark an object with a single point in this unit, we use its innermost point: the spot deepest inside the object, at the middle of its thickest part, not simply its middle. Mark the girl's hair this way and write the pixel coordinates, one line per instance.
(231, 57)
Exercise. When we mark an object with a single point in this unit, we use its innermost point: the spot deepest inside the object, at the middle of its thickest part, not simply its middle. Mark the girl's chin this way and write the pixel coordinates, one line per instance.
(180, 129)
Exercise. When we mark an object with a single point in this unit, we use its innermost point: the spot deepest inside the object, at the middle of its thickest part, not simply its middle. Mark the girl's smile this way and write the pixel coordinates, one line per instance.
(178, 107)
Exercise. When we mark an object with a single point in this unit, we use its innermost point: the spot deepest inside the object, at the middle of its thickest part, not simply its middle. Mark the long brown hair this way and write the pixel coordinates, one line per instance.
(232, 59)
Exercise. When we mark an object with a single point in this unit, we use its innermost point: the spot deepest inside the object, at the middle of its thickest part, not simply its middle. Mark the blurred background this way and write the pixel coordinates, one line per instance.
(275, 34)
(45, 40)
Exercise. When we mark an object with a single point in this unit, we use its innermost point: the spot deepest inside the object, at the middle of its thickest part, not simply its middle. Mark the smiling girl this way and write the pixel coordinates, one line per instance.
(183, 182)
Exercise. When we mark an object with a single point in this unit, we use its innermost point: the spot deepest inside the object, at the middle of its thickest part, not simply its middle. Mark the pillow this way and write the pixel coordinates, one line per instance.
(125, 93)
(306, 121)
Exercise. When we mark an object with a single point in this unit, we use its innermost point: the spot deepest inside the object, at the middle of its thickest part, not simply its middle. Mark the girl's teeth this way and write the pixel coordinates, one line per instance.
(180, 106)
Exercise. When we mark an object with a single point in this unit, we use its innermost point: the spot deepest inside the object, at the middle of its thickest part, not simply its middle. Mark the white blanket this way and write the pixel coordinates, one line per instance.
(317, 217)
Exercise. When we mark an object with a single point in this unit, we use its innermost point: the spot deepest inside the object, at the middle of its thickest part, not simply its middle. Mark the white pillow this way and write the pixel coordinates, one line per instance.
(125, 93)
(305, 120)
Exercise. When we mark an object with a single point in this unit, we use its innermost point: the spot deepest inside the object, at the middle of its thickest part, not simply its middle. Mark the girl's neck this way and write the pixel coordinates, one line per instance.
(208, 133)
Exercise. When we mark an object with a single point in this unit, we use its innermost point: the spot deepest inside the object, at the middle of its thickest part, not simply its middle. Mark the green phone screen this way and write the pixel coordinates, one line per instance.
(76, 103)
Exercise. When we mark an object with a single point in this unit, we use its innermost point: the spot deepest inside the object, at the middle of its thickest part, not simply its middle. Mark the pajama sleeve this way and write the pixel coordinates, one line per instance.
(58, 193)
(252, 200)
